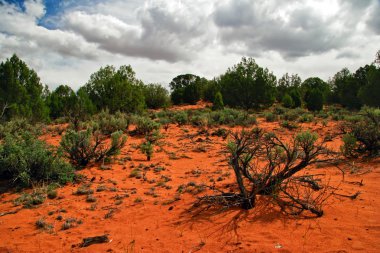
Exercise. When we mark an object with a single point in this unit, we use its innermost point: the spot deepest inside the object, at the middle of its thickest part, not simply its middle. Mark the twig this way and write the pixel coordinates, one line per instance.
(353, 196)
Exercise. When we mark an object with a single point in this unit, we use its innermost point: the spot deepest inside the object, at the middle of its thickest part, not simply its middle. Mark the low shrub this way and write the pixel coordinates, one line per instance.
(270, 117)
(306, 118)
(181, 118)
(82, 147)
(37, 197)
(17, 127)
(108, 123)
(349, 145)
(145, 125)
(231, 117)
(26, 160)
(362, 133)
(279, 110)
(147, 149)
(289, 125)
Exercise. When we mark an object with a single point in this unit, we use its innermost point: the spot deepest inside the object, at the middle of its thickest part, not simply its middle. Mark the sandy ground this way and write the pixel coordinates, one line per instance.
(148, 214)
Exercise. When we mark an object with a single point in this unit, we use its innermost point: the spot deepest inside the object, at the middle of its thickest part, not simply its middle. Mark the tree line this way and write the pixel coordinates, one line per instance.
(246, 85)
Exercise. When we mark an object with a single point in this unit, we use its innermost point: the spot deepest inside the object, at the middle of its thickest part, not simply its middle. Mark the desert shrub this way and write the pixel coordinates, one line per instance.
(287, 101)
(221, 132)
(42, 224)
(265, 165)
(29, 200)
(181, 118)
(307, 117)
(349, 145)
(25, 160)
(147, 149)
(145, 125)
(108, 123)
(164, 122)
(291, 115)
(18, 126)
(365, 129)
(82, 147)
(200, 120)
(322, 114)
(152, 139)
(279, 110)
(231, 117)
(289, 125)
(270, 117)
(218, 102)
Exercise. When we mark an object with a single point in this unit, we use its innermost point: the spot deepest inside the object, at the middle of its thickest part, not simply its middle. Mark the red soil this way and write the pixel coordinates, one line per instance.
(161, 224)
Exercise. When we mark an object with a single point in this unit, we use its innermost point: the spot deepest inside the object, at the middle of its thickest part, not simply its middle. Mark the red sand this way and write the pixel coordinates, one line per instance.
(160, 224)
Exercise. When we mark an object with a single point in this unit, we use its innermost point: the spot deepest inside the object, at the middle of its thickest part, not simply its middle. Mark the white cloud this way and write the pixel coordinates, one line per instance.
(164, 38)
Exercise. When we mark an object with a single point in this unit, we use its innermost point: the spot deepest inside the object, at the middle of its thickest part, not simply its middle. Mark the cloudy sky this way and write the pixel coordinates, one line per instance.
(67, 40)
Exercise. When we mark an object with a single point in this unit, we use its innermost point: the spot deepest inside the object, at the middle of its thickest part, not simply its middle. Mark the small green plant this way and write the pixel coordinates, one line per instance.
(70, 223)
(37, 197)
(181, 118)
(145, 125)
(306, 118)
(138, 200)
(90, 198)
(270, 117)
(136, 173)
(289, 125)
(108, 123)
(147, 148)
(349, 145)
(42, 224)
(84, 190)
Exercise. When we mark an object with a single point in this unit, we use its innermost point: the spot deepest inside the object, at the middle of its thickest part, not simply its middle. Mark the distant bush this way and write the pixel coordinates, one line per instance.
(25, 160)
(145, 125)
(37, 197)
(147, 149)
(82, 147)
(307, 117)
(279, 110)
(289, 125)
(270, 117)
(181, 118)
(231, 117)
(291, 115)
(18, 126)
(287, 101)
(108, 123)
(200, 120)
